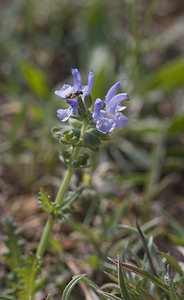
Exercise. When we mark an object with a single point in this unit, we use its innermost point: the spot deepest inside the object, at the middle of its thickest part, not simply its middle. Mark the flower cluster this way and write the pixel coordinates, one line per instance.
(106, 114)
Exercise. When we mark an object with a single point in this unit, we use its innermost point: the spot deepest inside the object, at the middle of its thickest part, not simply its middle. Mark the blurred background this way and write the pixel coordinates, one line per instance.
(140, 171)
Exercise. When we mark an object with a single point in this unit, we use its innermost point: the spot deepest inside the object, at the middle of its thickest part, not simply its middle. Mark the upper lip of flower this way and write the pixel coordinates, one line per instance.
(67, 91)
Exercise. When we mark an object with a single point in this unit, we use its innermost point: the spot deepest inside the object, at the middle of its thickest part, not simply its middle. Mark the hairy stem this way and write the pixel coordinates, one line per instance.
(59, 198)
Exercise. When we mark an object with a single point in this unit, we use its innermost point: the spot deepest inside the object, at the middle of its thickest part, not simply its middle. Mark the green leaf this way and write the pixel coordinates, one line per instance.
(19, 119)
(144, 274)
(68, 289)
(45, 203)
(27, 274)
(146, 294)
(138, 155)
(112, 277)
(35, 79)
(82, 112)
(70, 198)
(172, 292)
(173, 262)
(168, 77)
(122, 284)
(176, 239)
(146, 248)
(115, 217)
(91, 140)
(109, 296)
(81, 161)
(133, 178)
(15, 244)
(55, 244)
(3, 297)
(175, 226)
(177, 124)
(93, 286)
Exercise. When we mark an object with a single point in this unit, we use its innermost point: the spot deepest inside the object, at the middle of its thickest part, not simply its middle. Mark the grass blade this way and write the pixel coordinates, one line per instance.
(146, 249)
(109, 296)
(173, 262)
(144, 274)
(172, 292)
(93, 286)
(68, 289)
(122, 283)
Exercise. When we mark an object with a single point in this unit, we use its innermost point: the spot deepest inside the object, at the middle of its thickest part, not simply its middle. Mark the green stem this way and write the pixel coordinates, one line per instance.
(50, 222)
(59, 198)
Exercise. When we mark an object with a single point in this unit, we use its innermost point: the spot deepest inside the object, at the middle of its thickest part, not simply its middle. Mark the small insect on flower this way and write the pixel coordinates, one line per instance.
(71, 93)
(75, 95)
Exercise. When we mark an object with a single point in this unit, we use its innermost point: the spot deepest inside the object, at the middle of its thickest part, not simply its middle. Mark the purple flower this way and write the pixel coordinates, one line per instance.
(71, 94)
(106, 120)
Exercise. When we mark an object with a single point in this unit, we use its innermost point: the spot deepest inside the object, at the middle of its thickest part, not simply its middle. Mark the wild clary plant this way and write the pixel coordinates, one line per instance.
(85, 124)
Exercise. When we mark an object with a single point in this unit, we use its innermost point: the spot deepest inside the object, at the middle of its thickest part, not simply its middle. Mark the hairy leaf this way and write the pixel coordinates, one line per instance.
(14, 243)
(45, 203)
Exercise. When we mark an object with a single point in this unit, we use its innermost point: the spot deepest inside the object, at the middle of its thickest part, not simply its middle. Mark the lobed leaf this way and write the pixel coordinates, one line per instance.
(15, 244)
(45, 203)
(27, 274)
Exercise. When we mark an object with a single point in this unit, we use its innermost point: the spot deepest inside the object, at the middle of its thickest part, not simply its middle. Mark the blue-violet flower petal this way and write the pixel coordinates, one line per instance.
(71, 94)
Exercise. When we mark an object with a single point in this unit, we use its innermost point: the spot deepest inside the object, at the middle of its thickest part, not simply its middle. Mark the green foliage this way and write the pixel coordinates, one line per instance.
(71, 285)
(14, 243)
(35, 79)
(27, 275)
(138, 278)
(45, 202)
(92, 141)
(109, 296)
(177, 123)
(173, 262)
(168, 77)
(149, 276)
(66, 134)
(67, 205)
(24, 269)
(163, 285)
(145, 161)
(3, 297)
(121, 281)
(81, 161)
(63, 211)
